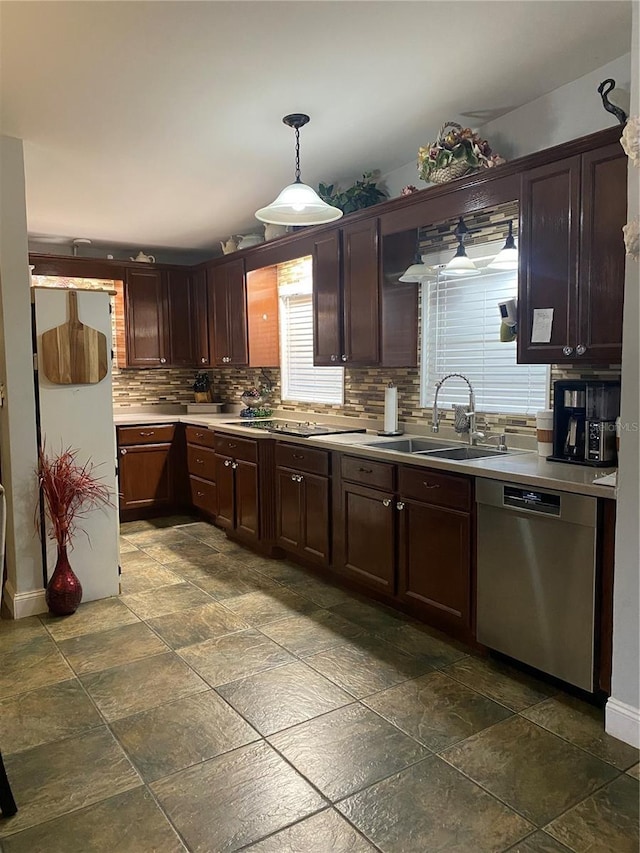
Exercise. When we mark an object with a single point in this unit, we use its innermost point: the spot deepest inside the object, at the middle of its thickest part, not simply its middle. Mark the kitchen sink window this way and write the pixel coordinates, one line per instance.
(301, 380)
(461, 334)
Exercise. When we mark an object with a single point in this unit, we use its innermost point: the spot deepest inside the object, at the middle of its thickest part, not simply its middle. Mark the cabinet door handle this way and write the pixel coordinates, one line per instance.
(150, 432)
(567, 350)
(163, 361)
(227, 463)
(344, 357)
(334, 358)
(581, 349)
(294, 479)
(234, 465)
(386, 502)
(203, 360)
(123, 451)
(365, 470)
(300, 478)
(429, 485)
(400, 505)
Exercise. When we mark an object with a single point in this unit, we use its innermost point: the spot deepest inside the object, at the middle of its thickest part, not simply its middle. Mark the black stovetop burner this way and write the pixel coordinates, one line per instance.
(305, 429)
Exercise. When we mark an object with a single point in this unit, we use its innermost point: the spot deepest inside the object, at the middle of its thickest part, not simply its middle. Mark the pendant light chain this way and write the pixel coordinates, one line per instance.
(297, 155)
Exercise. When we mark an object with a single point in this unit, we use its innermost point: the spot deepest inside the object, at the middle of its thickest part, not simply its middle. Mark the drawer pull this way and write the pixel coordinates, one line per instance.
(200, 461)
(199, 435)
(231, 444)
(429, 485)
(199, 494)
(400, 505)
(386, 502)
(150, 432)
(123, 452)
(365, 470)
(298, 455)
(227, 463)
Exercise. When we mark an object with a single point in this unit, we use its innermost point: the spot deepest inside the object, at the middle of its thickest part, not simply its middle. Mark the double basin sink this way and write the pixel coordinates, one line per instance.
(435, 449)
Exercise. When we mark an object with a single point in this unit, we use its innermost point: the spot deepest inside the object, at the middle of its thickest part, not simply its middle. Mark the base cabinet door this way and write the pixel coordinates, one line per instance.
(288, 509)
(367, 536)
(246, 498)
(435, 563)
(145, 476)
(315, 518)
(225, 490)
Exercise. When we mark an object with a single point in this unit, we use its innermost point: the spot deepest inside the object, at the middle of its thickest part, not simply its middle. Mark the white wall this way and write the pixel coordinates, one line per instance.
(24, 592)
(623, 708)
(568, 112)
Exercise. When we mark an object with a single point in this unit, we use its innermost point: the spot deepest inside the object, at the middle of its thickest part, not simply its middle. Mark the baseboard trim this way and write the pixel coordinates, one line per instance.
(622, 721)
(22, 604)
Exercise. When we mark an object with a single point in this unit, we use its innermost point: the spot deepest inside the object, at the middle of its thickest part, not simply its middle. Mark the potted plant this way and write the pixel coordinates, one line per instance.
(70, 492)
(456, 151)
(359, 195)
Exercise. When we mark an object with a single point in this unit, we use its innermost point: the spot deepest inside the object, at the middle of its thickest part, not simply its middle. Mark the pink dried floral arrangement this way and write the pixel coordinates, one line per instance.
(71, 491)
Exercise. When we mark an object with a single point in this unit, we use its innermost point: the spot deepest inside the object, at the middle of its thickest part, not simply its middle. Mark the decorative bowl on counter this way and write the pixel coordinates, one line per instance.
(253, 400)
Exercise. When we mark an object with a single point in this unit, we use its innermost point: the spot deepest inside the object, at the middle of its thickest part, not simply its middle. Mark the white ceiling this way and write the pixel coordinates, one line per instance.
(158, 124)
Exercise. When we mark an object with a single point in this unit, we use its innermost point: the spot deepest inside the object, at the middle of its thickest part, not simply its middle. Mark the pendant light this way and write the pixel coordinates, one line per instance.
(298, 203)
(507, 257)
(417, 271)
(460, 265)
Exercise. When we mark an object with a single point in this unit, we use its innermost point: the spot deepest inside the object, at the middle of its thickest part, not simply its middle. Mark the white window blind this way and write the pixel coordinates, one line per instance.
(460, 334)
(301, 380)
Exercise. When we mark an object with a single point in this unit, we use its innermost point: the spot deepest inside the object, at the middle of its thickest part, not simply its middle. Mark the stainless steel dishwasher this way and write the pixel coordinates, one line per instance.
(536, 577)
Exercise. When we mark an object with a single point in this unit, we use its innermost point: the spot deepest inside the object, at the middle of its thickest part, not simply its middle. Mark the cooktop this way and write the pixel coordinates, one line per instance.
(301, 428)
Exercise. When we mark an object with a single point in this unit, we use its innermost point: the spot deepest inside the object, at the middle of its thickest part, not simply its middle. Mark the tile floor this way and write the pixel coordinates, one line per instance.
(229, 702)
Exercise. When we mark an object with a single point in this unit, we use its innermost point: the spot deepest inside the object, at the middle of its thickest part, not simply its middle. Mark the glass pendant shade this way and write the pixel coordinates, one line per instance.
(298, 204)
(507, 257)
(417, 272)
(460, 264)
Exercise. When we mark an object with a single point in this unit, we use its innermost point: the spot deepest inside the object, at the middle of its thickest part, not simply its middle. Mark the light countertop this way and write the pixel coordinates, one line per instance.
(523, 467)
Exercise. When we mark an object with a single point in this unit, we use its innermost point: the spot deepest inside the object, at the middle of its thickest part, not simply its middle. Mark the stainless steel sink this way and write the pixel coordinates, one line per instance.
(410, 445)
(462, 453)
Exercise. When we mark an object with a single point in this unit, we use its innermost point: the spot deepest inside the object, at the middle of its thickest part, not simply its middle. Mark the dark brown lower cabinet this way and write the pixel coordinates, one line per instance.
(435, 563)
(302, 514)
(237, 492)
(366, 536)
(145, 475)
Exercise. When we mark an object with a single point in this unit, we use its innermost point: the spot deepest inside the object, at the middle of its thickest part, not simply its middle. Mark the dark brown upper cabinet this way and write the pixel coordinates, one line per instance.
(181, 314)
(227, 300)
(201, 318)
(572, 257)
(327, 299)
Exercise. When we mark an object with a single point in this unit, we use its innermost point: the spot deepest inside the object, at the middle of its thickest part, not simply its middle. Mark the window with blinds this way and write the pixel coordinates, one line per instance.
(301, 380)
(461, 334)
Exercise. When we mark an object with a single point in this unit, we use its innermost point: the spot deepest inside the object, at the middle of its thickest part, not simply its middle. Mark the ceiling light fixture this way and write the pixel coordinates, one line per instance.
(460, 264)
(507, 257)
(298, 203)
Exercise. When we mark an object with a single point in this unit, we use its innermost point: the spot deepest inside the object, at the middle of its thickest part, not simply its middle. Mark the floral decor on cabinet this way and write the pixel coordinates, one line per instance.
(457, 151)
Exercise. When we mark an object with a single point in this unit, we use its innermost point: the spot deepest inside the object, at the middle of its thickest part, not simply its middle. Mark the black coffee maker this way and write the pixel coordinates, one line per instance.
(584, 421)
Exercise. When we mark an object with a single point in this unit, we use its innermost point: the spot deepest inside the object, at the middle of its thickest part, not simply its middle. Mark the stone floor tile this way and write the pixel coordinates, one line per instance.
(125, 546)
(171, 552)
(44, 715)
(14, 632)
(232, 580)
(346, 750)
(188, 627)
(283, 697)
(89, 618)
(59, 777)
(165, 599)
(146, 577)
(157, 536)
(437, 649)
(436, 710)
(634, 771)
(582, 725)
(500, 682)
(235, 799)
(127, 823)
(324, 832)
(430, 807)
(321, 593)
(314, 632)
(531, 770)
(270, 605)
(284, 572)
(179, 734)
(137, 559)
(367, 665)
(143, 684)
(606, 821)
(33, 663)
(539, 842)
(234, 656)
(117, 646)
(371, 617)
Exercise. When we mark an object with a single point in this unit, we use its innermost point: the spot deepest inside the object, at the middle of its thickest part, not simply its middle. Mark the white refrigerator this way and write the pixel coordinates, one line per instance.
(81, 417)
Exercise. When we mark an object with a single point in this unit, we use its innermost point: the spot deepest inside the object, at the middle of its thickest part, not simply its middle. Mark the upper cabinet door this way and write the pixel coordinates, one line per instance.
(181, 316)
(602, 255)
(145, 318)
(398, 303)
(201, 318)
(549, 233)
(228, 314)
(327, 300)
(361, 294)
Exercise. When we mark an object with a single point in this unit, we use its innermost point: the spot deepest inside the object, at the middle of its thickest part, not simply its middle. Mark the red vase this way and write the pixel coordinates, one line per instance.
(64, 590)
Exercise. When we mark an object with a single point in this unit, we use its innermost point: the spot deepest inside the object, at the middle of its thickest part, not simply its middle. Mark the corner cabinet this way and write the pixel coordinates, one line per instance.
(572, 257)
(227, 301)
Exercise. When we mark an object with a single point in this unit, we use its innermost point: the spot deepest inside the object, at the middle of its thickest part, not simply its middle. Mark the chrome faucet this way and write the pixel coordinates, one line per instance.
(469, 415)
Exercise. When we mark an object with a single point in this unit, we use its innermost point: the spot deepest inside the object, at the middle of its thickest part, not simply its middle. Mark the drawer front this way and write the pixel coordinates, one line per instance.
(432, 487)
(237, 448)
(301, 458)
(201, 462)
(200, 435)
(379, 475)
(146, 434)
(204, 495)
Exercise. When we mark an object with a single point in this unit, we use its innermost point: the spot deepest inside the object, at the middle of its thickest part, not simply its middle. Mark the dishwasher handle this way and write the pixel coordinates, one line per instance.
(543, 503)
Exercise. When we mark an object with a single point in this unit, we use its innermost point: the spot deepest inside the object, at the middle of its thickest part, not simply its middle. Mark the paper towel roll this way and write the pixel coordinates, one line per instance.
(391, 409)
